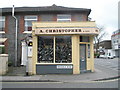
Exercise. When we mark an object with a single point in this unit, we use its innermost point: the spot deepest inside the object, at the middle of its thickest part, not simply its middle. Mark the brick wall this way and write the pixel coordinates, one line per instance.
(21, 24)
(10, 31)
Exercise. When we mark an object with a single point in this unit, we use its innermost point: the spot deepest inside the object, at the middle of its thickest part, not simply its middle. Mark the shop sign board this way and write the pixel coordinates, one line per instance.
(86, 30)
(64, 66)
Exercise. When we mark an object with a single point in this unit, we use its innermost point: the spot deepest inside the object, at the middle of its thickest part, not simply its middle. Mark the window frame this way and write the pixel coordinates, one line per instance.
(2, 19)
(64, 19)
(54, 52)
(41, 49)
(26, 26)
(88, 43)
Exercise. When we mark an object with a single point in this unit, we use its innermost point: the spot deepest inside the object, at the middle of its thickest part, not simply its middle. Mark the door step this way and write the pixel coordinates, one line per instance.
(85, 71)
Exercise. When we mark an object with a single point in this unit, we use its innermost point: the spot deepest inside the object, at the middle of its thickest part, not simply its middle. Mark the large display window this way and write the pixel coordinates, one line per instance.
(63, 49)
(45, 49)
(54, 49)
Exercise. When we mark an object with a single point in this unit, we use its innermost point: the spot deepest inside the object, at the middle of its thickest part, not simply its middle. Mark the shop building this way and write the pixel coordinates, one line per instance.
(62, 38)
(105, 49)
(63, 47)
(115, 39)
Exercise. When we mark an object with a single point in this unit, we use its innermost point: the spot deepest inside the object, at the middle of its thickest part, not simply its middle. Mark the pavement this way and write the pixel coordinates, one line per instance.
(18, 74)
(85, 77)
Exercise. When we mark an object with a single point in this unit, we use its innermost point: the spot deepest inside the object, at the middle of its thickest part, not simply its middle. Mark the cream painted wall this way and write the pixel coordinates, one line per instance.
(34, 55)
(75, 54)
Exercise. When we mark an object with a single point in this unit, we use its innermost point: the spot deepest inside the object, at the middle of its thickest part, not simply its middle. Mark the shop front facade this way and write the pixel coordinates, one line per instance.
(60, 35)
(63, 47)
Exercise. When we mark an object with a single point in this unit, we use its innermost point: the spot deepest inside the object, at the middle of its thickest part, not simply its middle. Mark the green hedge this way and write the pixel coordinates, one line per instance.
(2, 50)
(96, 55)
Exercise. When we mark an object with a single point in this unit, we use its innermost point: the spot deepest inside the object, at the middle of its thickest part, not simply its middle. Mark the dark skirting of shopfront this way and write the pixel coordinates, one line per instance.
(54, 69)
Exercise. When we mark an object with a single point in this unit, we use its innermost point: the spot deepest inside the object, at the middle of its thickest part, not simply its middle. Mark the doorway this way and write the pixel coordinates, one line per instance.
(82, 58)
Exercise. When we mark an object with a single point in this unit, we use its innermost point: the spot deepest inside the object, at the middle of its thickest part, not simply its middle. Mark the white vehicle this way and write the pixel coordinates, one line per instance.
(108, 54)
(102, 56)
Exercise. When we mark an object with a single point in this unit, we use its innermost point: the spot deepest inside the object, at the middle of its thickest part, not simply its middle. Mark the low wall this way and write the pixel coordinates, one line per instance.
(3, 64)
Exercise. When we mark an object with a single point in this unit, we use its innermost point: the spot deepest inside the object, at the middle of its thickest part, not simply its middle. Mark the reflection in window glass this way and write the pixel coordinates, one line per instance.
(63, 17)
(45, 49)
(30, 17)
(2, 23)
(28, 22)
(63, 49)
(88, 51)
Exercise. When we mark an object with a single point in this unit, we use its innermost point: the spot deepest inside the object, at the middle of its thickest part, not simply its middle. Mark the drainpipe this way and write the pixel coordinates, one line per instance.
(15, 35)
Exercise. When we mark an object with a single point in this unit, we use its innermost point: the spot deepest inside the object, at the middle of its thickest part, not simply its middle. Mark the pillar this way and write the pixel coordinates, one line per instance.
(92, 53)
(34, 54)
(75, 54)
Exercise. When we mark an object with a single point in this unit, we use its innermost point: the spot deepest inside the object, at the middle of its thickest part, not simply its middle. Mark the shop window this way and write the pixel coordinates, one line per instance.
(84, 39)
(63, 18)
(54, 49)
(45, 49)
(28, 22)
(2, 23)
(63, 49)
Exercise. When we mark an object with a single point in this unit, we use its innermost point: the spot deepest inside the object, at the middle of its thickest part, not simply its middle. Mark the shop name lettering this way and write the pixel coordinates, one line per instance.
(64, 66)
(62, 30)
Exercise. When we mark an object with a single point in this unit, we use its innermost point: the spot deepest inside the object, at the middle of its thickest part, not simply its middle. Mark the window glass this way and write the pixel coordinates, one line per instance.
(60, 44)
(63, 49)
(30, 17)
(28, 22)
(2, 23)
(64, 17)
(88, 50)
(84, 39)
(45, 49)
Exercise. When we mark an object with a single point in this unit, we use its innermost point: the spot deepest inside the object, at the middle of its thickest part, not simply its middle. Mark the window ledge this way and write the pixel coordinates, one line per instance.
(55, 63)
(2, 32)
(27, 32)
(2, 45)
(3, 39)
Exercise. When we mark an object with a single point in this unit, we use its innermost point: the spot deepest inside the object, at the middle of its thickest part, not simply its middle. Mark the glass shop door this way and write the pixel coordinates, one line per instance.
(82, 57)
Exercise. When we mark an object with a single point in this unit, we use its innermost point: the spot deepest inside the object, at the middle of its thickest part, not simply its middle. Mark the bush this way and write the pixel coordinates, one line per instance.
(96, 55)
(2, 50)
(10, 63)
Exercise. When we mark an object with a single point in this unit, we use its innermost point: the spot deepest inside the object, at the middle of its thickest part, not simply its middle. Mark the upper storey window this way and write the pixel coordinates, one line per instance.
(64, 17)
(2, 23)
(28, 22)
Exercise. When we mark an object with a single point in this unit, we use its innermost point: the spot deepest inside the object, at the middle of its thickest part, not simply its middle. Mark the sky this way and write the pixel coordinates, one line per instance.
(104, 12)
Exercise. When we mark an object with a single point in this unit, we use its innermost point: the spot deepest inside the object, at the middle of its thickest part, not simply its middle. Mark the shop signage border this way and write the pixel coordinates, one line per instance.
(66, 31)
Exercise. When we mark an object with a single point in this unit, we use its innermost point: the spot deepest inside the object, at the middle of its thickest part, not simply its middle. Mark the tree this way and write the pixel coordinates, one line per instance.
(98, 38)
